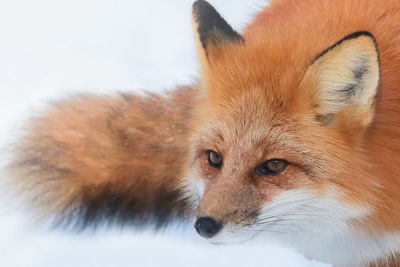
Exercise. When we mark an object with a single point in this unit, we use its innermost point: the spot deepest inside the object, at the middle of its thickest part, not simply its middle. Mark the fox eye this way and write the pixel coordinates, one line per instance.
(271, 167)
(214, 159)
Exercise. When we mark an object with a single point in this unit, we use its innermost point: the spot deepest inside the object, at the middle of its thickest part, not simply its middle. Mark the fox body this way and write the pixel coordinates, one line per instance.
(292, 136)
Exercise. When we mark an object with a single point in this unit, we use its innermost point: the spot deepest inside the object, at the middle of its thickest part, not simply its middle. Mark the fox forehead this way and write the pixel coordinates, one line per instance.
(251, 118)
(250, 87)
(256, 63)
(241, 122)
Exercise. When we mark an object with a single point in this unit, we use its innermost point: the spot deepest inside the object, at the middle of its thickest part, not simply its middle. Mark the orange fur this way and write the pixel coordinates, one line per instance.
(257, 101)
(278, 28)
(91, 155)
(261, 105)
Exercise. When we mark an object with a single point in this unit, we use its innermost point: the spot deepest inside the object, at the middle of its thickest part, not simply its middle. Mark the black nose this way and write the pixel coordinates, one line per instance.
(207, 227)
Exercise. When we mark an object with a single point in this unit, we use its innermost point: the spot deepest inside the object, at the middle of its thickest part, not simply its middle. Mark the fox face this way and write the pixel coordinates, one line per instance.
(291, 136)
(278, 137)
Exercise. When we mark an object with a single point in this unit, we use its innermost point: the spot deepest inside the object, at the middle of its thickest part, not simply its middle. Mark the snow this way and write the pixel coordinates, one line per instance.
(49, 49)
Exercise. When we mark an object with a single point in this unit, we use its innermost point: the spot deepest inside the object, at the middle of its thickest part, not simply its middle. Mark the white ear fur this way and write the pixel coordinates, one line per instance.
(347, 74)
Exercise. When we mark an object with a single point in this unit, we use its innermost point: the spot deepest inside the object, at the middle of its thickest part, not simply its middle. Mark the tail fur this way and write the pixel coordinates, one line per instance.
(91, 160)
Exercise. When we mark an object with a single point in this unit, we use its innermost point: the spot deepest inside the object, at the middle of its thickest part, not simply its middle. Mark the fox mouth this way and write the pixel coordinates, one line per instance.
(233, 234)
(239, 240)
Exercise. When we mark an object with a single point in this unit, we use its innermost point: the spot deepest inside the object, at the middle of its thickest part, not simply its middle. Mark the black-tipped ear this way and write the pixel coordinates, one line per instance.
(347, 78)
(212, 29)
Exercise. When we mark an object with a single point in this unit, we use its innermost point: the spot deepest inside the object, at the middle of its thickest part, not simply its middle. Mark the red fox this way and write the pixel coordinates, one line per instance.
(292, 136)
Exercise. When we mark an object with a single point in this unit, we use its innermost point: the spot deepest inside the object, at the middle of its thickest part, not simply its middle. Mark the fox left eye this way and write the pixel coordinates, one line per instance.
(214, 159)
(271, 167)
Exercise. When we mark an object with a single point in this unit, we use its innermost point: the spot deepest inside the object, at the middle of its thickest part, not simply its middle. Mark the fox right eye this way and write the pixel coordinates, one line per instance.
(214, 159)
(271, 167)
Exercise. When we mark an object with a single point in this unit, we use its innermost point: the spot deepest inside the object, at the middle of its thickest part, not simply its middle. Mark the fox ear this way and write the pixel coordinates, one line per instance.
(212, 30)
(347, 78)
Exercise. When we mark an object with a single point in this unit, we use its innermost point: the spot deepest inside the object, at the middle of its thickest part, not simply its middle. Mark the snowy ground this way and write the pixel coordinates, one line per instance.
(50, 49)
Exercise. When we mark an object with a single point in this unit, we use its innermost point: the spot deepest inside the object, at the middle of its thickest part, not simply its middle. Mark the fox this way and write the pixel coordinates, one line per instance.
(292, 135)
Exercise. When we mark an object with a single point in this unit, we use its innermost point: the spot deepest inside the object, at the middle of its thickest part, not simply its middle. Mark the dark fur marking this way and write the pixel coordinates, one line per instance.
(212, 28)
(348, 37)
(109, 204)
(361, 69)
(358, 73)
(350, 89)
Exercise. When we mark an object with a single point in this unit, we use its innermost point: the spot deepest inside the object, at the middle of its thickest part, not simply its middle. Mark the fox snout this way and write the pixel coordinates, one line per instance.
(207, 227)
(225, 203)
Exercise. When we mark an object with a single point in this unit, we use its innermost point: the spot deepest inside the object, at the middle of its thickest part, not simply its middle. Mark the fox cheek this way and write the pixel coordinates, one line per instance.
(197, 185)
(195, 189)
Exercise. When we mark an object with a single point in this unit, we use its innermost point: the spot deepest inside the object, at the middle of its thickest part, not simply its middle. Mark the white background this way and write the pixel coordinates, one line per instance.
(49, 49)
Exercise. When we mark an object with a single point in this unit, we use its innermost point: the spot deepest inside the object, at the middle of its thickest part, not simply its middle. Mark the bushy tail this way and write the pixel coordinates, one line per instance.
(91, 160)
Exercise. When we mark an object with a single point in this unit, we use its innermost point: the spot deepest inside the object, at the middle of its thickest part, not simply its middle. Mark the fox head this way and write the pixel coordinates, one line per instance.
(278, 135)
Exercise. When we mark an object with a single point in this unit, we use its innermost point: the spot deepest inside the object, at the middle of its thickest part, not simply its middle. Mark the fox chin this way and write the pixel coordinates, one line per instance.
(291, 136)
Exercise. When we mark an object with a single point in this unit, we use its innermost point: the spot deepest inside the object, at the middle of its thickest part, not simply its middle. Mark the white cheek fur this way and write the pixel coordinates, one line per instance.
(194, 189)
(318, 226)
